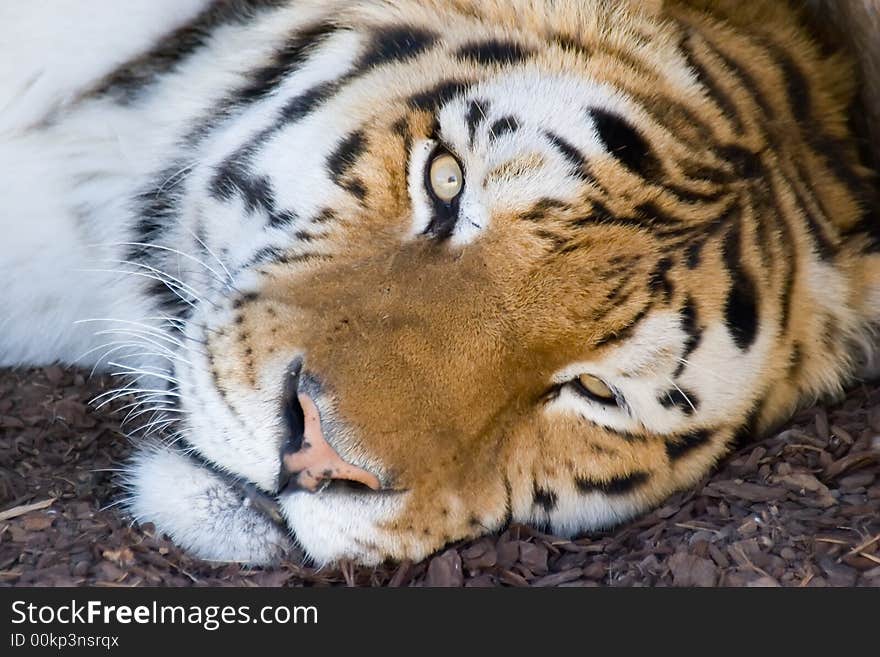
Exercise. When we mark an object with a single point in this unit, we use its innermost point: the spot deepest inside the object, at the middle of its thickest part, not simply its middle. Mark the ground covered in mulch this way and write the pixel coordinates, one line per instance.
(801, 508)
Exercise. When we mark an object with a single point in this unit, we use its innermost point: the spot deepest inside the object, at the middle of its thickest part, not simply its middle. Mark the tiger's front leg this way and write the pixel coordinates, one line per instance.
(200, 510)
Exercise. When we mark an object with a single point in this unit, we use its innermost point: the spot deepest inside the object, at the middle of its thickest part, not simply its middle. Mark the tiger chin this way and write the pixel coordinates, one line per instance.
(412, 270)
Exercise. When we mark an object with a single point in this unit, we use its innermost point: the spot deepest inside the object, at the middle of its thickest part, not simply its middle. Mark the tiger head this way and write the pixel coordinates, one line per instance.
(517, 261)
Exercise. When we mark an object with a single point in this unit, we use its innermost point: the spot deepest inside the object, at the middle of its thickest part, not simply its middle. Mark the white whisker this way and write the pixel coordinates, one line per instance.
(144, 275)
(199, 261)
(485, 118)
(174, 177)
(122, 391)
(166, 278)
(122, 344)
(151, 409)
(686, 398)
(212, 254)
(141, 402)
(151, 330)
(688, 363)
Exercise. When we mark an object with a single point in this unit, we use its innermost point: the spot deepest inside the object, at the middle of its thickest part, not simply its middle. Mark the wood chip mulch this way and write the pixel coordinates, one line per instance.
(800, 508)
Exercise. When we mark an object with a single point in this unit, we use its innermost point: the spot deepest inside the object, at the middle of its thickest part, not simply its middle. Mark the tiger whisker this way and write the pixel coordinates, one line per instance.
(213, 255)
(146, 329)
(166, 278)
(685, 361)
(174, 176)
(228, 281)
(144, 275)
(683, 394)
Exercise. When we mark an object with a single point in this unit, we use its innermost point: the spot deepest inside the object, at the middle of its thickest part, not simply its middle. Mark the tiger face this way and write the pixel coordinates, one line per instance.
(544, 263)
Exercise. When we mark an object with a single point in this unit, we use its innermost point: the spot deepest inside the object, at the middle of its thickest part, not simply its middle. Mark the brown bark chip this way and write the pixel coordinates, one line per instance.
(690, 570)
(445, 570)
(799, 508)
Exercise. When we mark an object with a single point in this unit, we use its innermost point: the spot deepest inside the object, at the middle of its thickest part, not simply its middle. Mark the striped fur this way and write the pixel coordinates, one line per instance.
(665, 196)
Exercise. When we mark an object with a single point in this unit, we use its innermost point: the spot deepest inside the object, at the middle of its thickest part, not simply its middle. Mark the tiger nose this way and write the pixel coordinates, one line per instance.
(310, 462)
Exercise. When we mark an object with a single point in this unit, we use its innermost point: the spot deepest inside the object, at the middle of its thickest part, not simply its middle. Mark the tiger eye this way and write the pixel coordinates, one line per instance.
(446, 177)
(596, 387)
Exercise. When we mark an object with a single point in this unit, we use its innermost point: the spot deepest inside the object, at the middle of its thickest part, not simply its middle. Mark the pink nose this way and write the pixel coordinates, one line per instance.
(316, 462)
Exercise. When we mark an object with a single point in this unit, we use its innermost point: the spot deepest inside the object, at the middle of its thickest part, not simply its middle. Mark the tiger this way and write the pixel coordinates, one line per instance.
(384, 275)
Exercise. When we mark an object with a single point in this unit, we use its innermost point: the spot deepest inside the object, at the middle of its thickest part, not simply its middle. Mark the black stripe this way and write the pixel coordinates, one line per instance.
(693, 196)
(614, 486)
(255, 191)
(134, 77)
(494, 51)
(684, 400)
(764, 231)
(296, 109)
(674, 118)
(341, 160)
(682, 445)
(356, 187)
(694, 253)
(795, 362)
(395, 44)
(266, 255)
(797, 88)
(301, 106)
(724, 102)
(653, 215)
(503, 126)
(625, 143)
(432, 99)
(157, 209)
(749, 429)
(869, 226)
(786, 240)
(477, 112)
(325, 216)
(401, 128)
(539, 211)
(284, 62)
(614, 296)
(705, 173)
(659, 282)
(690, 324)
(558, 241)
(606, 219)
(745, 78)
(288, 259)
(282, 218)
(841, 162)
(572, 154)
(741, 305)
(626, 331)
(167, 298)
(262, 81)
(546, 499)
(233, 174)
(815, 225)
(572, 44)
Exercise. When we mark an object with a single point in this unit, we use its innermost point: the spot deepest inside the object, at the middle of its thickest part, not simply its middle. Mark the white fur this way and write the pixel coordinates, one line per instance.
(642, 369)
(54, 49)
(333, 526)
(218, 523)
